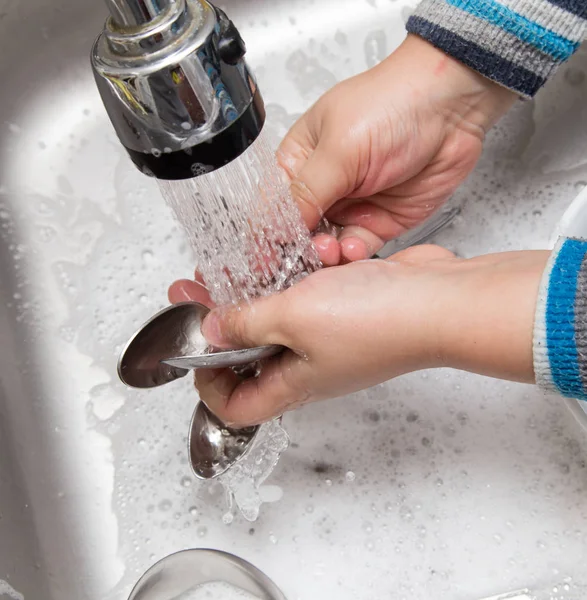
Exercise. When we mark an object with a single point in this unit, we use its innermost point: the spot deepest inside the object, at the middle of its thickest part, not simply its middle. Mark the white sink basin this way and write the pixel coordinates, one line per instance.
(439, 485)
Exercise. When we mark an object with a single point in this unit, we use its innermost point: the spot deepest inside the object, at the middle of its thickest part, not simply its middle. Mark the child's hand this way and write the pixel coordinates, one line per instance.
(352, 327)
(381, 151)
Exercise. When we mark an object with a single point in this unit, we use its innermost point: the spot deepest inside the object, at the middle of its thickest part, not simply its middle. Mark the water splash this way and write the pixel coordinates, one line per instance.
(249, 240)
(246, 477)
(244, 227)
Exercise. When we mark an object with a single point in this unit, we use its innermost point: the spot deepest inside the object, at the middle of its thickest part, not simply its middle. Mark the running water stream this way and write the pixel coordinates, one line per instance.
(249, 240)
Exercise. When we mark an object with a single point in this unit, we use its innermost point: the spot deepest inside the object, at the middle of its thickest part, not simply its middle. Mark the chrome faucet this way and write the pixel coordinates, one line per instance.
(174, 82)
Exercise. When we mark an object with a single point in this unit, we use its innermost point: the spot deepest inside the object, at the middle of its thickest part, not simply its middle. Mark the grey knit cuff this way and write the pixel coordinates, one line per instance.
(516, 43)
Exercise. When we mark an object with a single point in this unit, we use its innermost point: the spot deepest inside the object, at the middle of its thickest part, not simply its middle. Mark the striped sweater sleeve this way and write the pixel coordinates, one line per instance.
(560, 327)
(516, 43)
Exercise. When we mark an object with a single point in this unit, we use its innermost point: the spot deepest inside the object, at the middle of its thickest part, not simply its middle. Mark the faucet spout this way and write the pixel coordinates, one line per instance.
(175, 84)
(127, 14)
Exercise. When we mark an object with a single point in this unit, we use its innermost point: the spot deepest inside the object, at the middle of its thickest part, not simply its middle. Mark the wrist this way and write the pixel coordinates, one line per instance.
(466, 97)
(487, 314)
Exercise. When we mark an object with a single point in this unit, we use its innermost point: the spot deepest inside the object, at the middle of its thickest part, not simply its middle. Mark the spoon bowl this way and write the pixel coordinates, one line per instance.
(182, 573)
(166, 348)
(214, 448)
(171, 344)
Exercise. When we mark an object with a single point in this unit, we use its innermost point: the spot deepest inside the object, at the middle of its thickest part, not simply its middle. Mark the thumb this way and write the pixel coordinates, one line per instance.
(316, 168)
(323, 180)
(245, 325)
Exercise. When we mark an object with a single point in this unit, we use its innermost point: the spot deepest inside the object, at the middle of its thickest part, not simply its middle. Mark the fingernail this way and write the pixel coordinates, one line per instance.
(178, 293)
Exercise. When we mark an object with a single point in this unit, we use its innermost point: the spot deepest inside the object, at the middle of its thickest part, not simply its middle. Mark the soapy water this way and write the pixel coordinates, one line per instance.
(7, 591)
(249, 240)
(216, 590)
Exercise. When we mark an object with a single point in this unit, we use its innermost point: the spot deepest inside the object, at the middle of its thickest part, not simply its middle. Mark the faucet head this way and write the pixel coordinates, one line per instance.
(173, 79)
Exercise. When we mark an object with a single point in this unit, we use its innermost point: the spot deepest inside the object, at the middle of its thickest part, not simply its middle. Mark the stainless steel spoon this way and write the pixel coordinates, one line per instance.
(171, 344)
(223, 359)
(184, 572)
(213, 448)
(166, 348)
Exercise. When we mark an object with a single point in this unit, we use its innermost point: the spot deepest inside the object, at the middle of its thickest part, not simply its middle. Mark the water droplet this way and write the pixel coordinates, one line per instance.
(147, 256)
(273, 538)
(193, 511)
(186, 482)
(47, 234)
(406, 514)
(574, 77)
(165, 505)
(202, 531)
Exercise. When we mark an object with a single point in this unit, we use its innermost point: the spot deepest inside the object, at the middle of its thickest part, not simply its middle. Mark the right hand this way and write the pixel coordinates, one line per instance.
(380, 152)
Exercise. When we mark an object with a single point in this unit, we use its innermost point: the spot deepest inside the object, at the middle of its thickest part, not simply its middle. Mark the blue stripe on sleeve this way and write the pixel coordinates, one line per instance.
(560, 319)
(543, 39)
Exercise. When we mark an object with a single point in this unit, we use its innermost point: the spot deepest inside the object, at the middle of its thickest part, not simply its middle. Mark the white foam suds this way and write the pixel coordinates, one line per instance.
(7, 590)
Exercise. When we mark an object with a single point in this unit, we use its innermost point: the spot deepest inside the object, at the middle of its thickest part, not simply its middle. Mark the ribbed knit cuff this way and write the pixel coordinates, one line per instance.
(516, 43)
(560, 326)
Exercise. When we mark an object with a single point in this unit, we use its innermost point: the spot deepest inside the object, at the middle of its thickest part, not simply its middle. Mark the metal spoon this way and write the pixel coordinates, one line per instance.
(166, 348)
(171, 343)
(183, 572)
(213, 448)
(223, 359)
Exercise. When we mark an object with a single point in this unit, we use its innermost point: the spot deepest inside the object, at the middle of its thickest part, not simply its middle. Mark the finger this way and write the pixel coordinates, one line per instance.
(328, 249)
(354, 249)
(376, 219)
(321, 181)
(240, 403)
(186, 290)
(299, 143)
(295, 148)
(358, 243)
(247, 325)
